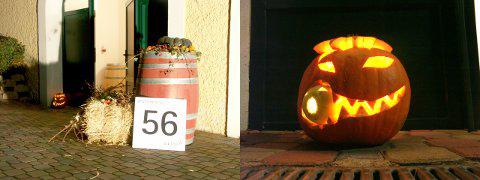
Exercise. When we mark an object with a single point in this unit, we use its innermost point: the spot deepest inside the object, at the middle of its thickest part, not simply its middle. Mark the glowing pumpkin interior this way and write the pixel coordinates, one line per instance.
(323, 106)
(59, 100)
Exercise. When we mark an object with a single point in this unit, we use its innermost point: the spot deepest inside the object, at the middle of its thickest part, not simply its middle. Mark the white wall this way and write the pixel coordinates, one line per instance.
(245, 59)
(176, 18)
(233, 106)
(477, 22)
(50, 49)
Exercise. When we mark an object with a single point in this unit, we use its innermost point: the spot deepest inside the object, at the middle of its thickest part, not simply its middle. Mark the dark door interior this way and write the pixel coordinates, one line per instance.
(157, 20)
(78, 57)
(151, 23)
(425, 35)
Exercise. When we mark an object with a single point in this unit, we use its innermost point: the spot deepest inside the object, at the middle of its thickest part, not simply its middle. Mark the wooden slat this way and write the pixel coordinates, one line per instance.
(293, 174)
(424, 174)
(404, 174)
(328, 175)
(244, 173)
(476, 171)
(311, 174)
(442, 173)
(258, 175)
(347, 175)
(462, 174)
(385, 174)
(275, 174)
(366, 174)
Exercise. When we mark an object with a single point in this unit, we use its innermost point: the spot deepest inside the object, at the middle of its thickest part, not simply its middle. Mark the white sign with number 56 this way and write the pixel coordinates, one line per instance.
(159, 123)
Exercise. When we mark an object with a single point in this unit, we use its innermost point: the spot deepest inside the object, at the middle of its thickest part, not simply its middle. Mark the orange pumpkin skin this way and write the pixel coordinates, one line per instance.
(353, 81)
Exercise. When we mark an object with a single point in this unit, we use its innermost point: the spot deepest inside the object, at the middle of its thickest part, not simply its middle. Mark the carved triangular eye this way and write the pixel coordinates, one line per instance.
(327, 66)
(378, 62)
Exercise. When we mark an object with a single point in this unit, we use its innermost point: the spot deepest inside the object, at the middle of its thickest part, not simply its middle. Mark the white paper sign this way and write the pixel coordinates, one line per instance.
(159, 123)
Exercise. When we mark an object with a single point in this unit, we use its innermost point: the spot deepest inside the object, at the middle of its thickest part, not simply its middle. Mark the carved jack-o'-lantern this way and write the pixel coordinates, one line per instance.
(59, 100)
(354, 92)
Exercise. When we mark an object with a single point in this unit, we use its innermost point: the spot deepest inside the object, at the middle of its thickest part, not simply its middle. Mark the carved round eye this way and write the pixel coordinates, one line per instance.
(378, 62)
(327, 66)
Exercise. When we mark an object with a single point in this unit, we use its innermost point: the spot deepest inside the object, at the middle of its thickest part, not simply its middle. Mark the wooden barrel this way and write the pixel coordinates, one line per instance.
(169, 76)
(115, 74)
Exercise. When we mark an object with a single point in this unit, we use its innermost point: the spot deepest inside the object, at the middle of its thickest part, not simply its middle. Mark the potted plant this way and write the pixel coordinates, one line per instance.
(12, 70)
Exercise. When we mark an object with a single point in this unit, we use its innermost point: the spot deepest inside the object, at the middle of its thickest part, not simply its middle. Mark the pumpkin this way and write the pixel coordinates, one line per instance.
(59, 100)
(354, 92)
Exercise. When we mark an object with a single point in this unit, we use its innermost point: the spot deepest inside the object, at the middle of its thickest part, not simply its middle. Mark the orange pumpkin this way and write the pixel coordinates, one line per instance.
(59, 100)
(354, 92)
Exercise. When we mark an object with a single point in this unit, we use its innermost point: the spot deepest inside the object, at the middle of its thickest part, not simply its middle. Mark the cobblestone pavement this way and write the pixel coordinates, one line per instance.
(25, 152)
(407, 148)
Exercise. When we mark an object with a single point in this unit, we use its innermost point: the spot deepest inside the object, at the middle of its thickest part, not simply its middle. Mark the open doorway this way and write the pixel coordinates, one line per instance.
(146, 22)
(78, 53)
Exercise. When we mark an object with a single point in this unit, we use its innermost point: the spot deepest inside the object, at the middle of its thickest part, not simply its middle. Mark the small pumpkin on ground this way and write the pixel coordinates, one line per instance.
(59, 101)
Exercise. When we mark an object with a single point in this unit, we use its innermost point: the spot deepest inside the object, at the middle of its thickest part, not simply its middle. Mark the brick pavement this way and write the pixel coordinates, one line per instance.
(407, 148)
(25, 152)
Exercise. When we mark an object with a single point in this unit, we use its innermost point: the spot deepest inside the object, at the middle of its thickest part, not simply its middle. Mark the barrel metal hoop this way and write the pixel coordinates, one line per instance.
(114, 77)
(167, 55)
(189, 141)
(191, 116)
(117, 68)
(190, 131)
(169, 66)
(168, 81)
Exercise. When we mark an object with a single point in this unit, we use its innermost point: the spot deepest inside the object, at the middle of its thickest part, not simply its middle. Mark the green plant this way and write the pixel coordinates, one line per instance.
(11, 51)
(174, 45)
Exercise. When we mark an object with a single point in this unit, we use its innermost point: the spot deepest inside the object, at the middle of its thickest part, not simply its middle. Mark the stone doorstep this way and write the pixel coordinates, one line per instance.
(475, 137)
(9, 83)
(454, 142)
(468, 152)
(430, 134)
(302, 158)
(452, 132)
(369, 157)
(10, 95)
(277, 145)
(21, 88)
(426, 154)
(17, 77)
(250, 155)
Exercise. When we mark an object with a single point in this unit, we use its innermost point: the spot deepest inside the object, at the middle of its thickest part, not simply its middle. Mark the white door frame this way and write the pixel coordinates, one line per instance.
(50, 48)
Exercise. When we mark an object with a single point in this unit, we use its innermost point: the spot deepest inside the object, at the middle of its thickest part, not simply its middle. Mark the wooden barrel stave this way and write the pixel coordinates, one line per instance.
(165, 76)
(114, 75)
(182, 91)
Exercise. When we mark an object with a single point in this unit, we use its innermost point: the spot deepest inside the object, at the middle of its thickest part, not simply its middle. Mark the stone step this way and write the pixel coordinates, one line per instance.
(17, 77)
(21, 88)
(10, 95)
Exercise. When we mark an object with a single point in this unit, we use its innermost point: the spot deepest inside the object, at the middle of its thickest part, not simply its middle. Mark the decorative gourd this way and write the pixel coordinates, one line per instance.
(354, 92)
(59, 100)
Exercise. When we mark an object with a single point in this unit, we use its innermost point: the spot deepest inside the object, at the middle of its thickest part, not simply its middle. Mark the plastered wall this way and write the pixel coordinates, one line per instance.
(207, 26)
(19, 20)
(245, 61)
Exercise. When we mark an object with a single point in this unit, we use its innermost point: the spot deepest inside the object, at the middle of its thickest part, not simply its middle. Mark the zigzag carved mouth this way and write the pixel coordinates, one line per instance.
(360, 108)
